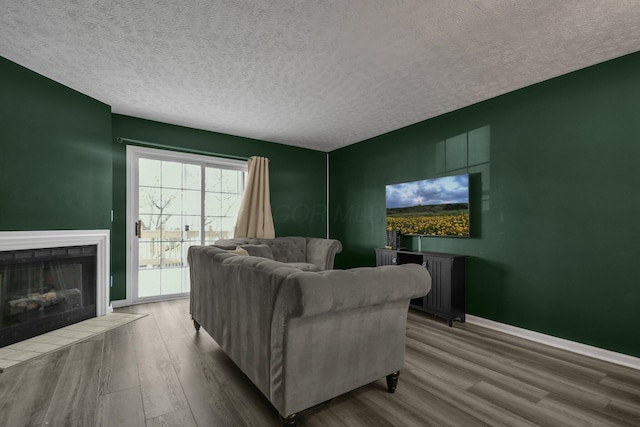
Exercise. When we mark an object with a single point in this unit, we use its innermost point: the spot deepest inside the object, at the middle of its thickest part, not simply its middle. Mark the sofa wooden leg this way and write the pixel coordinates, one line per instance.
(289, 421)
(392, 381)
(196, 324)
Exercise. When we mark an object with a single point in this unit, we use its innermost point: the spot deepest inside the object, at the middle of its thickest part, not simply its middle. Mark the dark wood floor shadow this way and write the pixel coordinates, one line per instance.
(157, 371)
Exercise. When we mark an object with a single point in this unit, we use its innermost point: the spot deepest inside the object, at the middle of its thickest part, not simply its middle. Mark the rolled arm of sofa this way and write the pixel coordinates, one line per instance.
(322, 252)
(336, 290)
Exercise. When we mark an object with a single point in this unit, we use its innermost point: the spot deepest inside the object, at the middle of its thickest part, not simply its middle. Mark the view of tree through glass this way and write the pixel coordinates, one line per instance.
(180, 205)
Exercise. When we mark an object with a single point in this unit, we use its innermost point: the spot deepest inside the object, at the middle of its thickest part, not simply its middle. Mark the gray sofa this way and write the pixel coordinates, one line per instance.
(306, 253)
(304, 337)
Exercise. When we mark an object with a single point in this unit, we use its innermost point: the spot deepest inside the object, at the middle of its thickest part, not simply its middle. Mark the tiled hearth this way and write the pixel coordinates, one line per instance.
(51, 279)
(15, 354)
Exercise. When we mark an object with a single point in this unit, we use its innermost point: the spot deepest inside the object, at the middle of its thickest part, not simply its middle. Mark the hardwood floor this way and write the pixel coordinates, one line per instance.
(157, 371)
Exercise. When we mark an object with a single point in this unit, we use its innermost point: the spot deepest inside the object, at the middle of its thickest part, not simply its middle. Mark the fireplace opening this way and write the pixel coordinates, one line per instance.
(45, 289)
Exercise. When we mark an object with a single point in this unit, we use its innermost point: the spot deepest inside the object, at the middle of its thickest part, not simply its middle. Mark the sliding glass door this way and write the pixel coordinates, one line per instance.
(176, 200)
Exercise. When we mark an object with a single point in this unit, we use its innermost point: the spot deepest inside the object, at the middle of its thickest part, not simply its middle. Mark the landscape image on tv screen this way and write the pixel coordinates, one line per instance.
(431, 207)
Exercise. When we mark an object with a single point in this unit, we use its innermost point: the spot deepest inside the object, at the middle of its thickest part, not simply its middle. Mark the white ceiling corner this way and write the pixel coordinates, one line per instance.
(309, 73)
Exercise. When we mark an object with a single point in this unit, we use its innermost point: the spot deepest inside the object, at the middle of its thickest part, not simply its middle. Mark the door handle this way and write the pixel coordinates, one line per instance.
(138, 228)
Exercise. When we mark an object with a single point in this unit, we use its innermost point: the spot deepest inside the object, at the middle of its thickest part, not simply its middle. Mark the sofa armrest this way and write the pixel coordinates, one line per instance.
(322, 252)
(336, 290)
(338, 330)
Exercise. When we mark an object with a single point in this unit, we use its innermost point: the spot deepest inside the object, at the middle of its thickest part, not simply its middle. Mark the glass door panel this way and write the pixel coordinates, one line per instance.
(177, 200)
(222, 195)
(170, 205)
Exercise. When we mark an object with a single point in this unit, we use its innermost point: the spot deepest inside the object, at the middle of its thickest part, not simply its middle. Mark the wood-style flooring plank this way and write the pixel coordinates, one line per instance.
(531, 349)
(521, 371)
(181, 418)
(207, 398)
(157, 371)
(442, 411)
(456, 338)
(365, 419)
(181, 311)
(75, 400)
(512, 348)
(347, 406)
(161, 389)
(144, 324)
(583, 416)
(320, 419)
(121, 408)
(552, 365)
(624, 412)
(607, 388)
(621, 390)
(169, 322)
(393, 411)
(579, 392)
(26, 391)
(455, 377)
(119, 365)
(524, 408)
(203, 343)
(252, 408)
(485, 369)
(486, 411)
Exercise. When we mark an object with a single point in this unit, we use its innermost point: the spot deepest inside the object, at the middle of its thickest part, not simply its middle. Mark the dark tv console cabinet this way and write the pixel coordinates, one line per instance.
(446, 298)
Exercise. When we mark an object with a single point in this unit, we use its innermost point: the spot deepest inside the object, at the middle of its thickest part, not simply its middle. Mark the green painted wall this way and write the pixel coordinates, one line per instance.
(297, 180)
(555, 201)
(554, 194)
(55, 155)
(60, 167)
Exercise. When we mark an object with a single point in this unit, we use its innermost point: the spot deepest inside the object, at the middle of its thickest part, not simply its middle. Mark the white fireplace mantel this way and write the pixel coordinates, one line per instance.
(20, 240)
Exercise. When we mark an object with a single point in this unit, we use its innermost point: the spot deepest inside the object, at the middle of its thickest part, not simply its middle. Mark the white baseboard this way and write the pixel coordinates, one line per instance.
(128, 302)
(120, 303)
(584, 349)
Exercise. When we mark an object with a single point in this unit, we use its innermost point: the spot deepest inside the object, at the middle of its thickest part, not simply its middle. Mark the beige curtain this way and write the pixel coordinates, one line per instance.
(254, 217)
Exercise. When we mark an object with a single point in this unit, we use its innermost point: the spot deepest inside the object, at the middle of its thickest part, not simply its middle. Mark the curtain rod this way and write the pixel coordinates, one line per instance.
(137, 142)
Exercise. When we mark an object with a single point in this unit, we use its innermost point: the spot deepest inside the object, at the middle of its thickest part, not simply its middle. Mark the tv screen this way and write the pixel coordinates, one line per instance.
(431, 207)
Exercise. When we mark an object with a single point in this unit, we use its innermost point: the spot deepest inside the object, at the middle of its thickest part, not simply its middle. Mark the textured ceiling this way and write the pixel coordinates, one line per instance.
(320, 74)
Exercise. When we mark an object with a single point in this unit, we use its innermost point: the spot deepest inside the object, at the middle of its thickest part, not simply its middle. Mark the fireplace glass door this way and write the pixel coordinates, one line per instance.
(45, 289)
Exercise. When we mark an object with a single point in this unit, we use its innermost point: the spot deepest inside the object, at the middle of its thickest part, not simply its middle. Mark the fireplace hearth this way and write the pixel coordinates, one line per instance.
(51, 279)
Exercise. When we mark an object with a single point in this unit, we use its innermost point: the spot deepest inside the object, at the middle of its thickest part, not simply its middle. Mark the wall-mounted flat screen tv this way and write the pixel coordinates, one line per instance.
(430, 207)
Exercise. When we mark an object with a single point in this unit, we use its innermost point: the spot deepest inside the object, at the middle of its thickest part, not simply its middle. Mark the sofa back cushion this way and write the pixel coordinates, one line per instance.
(284, 249)
(289, 249)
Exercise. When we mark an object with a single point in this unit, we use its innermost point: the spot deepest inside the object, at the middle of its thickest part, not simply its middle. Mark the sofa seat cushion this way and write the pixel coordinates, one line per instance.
(304, 266)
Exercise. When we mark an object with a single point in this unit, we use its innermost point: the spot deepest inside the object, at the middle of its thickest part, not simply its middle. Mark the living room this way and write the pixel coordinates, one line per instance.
(553, 194)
